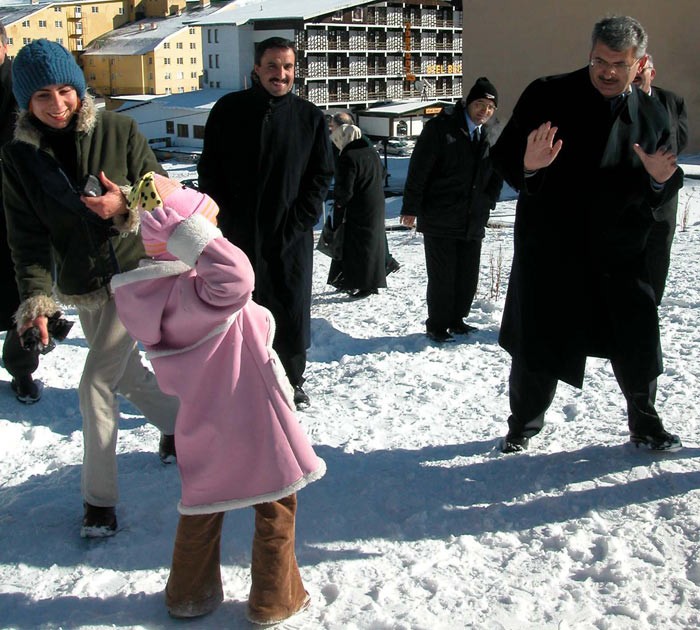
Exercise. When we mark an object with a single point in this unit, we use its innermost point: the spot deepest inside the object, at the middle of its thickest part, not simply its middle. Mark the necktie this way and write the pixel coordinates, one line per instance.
(476, 136)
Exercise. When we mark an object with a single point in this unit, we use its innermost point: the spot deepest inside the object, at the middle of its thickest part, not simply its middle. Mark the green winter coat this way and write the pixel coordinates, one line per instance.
(53, 237)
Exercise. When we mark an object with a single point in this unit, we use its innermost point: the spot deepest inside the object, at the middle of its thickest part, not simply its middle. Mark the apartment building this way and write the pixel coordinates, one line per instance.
(72, 24)
(349, 55)
(150, 56)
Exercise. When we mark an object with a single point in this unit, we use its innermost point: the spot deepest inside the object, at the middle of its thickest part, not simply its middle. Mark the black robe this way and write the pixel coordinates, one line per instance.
(578, 284)
(267, 163)
(8, 285)
(359, 196)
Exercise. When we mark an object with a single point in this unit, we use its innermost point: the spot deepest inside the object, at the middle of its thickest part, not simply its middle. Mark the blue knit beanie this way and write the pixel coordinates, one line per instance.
(41, 63)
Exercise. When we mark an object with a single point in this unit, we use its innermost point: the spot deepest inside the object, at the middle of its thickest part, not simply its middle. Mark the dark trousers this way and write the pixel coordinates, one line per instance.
(658, 249)
(531, 393)
(294, 366)
(18, 361)
(452, 266)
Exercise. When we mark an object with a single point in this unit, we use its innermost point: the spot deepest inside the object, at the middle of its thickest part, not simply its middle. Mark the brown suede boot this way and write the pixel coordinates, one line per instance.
(194, 586)
(277, 592)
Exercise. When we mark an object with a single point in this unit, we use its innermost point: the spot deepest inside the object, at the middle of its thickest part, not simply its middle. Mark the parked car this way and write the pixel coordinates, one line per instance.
(396, 146)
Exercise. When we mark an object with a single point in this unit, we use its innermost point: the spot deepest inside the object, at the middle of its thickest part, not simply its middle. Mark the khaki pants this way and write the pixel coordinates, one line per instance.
(113, 364)
(277, 592)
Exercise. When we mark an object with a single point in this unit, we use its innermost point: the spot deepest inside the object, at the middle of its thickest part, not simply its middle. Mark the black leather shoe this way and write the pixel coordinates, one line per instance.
(393, 266)
(166, 449)
(441, 336)
(661, 441)
(301, 399)
(98, 522)
(461, 329)
(514, 443)
(358, 294)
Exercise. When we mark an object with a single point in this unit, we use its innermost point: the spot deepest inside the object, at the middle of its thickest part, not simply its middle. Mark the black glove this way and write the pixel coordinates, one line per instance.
(58, 328)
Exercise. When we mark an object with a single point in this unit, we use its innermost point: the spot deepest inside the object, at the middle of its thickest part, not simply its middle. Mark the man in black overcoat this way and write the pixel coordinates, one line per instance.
(20, 363)
(451, 188)
(658, 251)
(589, 156)
(267, 163)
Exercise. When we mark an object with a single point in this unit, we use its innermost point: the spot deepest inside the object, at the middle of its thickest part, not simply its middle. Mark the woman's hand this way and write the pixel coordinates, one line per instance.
(108, 205)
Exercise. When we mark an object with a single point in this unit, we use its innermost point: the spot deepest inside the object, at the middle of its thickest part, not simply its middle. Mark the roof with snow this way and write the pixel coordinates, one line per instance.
(143, 36)
(243, 11)
(198, 99)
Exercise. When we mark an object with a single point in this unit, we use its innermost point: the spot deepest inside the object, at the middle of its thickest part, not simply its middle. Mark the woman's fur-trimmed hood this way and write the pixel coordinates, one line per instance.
(26, 131)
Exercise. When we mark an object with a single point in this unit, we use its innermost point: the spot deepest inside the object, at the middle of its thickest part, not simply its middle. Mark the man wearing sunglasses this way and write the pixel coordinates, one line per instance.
(589, 155)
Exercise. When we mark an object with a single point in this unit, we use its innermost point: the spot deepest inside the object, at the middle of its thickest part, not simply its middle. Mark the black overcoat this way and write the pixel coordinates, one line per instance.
(359, 196)
(267, 163)
(451, 186)
(578, 282)
(8, 286)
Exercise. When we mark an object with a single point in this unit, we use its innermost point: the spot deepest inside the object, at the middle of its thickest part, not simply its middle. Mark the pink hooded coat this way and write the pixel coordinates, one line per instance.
(238, 440)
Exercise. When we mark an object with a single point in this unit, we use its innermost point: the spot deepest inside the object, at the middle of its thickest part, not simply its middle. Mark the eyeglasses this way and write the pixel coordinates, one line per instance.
(615, 68)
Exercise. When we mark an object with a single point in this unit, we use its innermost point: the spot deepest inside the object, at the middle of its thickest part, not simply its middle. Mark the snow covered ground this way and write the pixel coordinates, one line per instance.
(420, 523)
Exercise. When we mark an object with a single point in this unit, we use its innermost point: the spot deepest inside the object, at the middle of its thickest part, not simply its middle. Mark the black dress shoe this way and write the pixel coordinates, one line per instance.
(166, 449)
(301, 399)
(358, 294)
(392, 266)
(514, 443)
(461, 328)
(441, 336)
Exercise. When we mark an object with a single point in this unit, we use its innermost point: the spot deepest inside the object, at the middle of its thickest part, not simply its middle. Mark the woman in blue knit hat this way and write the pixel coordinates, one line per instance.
(67, 244)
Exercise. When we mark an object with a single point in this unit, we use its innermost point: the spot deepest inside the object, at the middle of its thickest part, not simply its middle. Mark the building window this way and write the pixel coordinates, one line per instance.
(166, 45)
(120, 11)
(193, 60)
(150, 76)
(92, 76)
(26, 40)
(183, 131)
(216, 60)
(169, 126)
(216, 35)
(210, 61)
(180, 75)
(166, 61)
(166, 76)
(181, 90)
(178, 45)
(337, 16)
(192, 31)
(193, 75)
(42, 23)
(26, 23)
(10, 41)
(208, 36)
(193, 45)
(57, 9)
(58, 23)
(357, 14)
(59, 40)
(168, 91)
(179, 61)
(95, 9)
(198, 132)
(150, 61)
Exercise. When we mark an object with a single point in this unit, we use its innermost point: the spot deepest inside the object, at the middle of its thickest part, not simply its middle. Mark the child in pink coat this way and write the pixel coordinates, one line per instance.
(238, 441)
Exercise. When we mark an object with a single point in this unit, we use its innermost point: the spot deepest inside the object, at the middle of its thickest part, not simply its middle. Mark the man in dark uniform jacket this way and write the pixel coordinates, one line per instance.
(658, 252)
(589, 156)
(267, 163)
(20, 363)
(450, 190)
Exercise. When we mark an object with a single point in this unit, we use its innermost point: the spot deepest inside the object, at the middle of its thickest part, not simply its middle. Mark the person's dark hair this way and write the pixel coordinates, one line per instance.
(3, 35)
(343, 118)
(620, 32)
(272, 42)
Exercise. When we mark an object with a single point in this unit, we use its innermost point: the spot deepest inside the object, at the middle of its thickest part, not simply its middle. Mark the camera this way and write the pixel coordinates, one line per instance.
(92, 187)
(58, 328)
